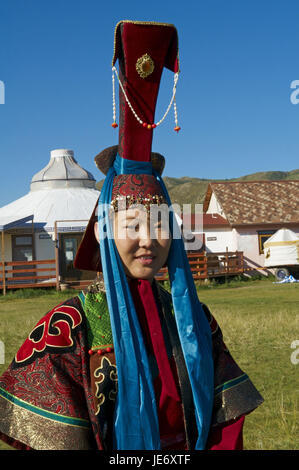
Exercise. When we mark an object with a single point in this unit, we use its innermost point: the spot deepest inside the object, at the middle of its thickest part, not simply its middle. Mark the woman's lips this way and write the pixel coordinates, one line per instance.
(145, 260)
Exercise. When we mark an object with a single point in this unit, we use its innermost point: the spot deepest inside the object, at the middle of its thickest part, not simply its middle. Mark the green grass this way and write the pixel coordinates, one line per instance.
(259, 321)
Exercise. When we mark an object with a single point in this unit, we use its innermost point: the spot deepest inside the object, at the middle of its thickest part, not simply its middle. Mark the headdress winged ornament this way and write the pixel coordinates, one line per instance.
(143, 49)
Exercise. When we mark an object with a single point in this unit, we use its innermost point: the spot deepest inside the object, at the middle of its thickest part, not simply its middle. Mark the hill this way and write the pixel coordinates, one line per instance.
(187, 190)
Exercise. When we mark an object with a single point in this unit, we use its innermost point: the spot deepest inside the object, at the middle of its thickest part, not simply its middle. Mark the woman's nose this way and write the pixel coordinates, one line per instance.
(145, 239)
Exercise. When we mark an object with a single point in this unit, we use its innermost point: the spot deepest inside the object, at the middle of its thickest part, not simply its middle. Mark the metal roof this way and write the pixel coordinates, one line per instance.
(13, 222)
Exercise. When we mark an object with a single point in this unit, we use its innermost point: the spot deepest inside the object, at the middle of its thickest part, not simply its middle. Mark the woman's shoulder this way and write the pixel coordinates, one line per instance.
(54, 333)
(166, 297)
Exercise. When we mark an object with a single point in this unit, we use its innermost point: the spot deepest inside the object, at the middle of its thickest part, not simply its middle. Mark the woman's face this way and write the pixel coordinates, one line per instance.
(142, 241)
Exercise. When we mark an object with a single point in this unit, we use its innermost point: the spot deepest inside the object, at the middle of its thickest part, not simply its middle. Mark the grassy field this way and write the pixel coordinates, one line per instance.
(259, 321)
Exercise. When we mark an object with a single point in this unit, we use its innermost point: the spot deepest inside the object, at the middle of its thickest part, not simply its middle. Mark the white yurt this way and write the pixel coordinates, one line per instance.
(282, 249)
(48, 222)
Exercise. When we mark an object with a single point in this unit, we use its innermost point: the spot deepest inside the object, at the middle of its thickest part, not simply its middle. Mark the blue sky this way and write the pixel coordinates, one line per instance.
(238, 59)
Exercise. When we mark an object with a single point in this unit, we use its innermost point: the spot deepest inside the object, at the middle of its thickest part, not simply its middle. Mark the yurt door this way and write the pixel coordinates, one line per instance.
(68, 249)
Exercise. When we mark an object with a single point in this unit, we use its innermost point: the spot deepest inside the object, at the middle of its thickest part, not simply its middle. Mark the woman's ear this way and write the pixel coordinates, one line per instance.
(96, 231)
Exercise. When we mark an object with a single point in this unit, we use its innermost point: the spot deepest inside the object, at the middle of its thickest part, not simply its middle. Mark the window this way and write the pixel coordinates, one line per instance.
(22, 248)
(25, 241)
(263, 237)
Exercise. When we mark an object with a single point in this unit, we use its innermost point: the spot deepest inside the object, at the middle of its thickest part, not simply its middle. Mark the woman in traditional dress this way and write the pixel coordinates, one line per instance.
(126, 364)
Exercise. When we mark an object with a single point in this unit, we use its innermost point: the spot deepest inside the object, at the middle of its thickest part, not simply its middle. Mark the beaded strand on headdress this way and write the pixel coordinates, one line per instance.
(144, 124)
(113, 101)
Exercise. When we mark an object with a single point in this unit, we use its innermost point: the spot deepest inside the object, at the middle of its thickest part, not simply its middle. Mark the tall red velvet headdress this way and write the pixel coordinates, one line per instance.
(142, 49)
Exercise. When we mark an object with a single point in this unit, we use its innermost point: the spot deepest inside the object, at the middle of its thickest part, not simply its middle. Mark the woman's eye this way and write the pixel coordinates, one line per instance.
(160, 226)
(132, 227)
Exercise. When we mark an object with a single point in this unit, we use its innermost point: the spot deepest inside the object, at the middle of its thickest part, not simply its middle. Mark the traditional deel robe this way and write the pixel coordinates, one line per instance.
(60, 390)
(142, 50)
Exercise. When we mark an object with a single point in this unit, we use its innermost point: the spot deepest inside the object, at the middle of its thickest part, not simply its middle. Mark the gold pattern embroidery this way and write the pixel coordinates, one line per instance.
(42, 433)
(106, 370)
(101, 399)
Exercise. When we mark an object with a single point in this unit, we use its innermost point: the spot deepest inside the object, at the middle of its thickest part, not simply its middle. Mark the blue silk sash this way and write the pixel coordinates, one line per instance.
(136, 421)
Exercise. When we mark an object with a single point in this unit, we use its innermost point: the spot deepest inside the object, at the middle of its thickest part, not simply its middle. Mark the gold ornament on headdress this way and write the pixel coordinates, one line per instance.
(145, 66)
(125, 202)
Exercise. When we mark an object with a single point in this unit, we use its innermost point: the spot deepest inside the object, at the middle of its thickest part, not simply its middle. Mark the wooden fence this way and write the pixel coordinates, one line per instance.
(205, 265)
(25, 274)
(21, 274)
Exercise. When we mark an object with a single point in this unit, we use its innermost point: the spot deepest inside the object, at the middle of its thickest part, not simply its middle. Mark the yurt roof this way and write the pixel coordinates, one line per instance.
(62, 171)
(61, 191)
(282, 235)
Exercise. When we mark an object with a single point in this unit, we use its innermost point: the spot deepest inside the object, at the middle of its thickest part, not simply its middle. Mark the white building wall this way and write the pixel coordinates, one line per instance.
(215, 207)
(220, 239)
(44, 246)
(7, 248)
(45, 249)
(247, 241)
